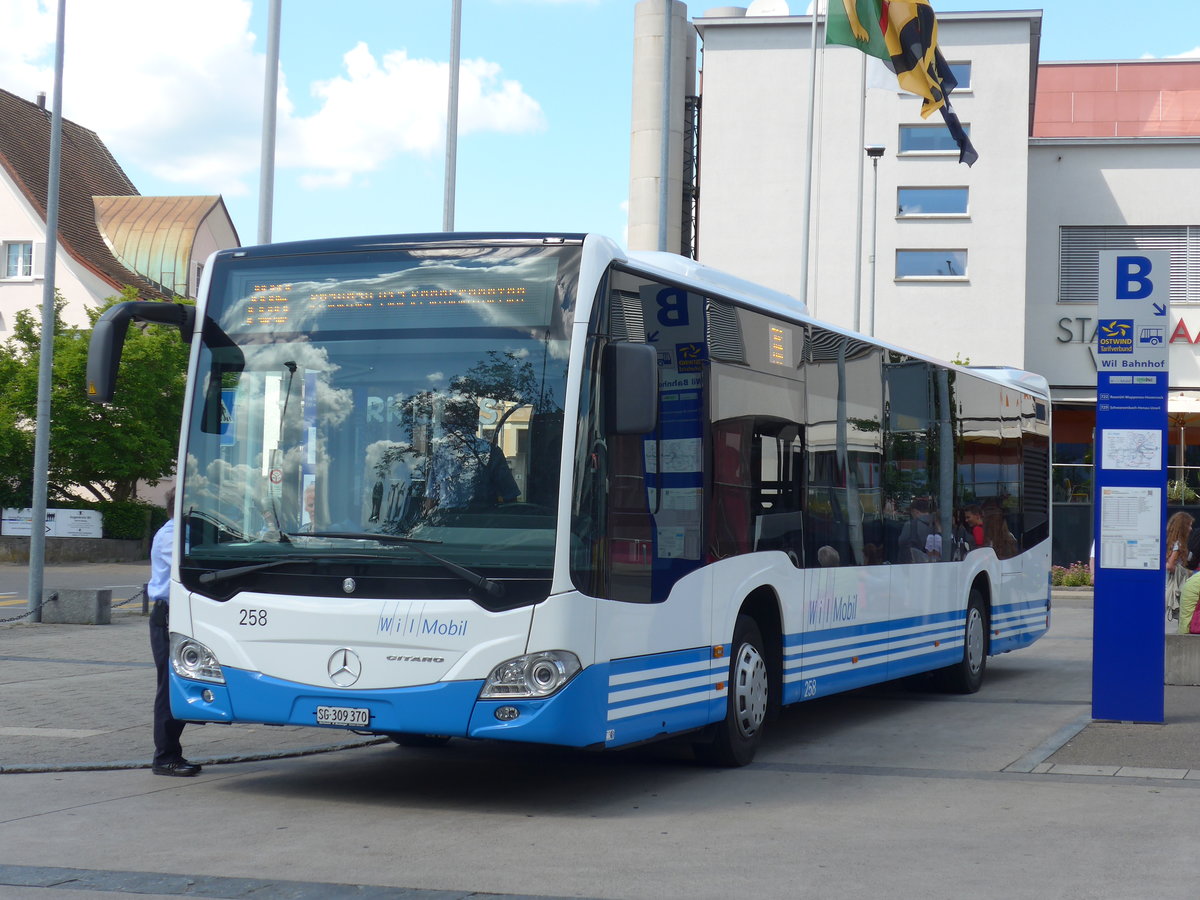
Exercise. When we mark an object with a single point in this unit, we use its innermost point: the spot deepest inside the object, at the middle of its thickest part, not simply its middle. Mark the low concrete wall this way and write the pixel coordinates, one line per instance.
(75, 550)
(1183, 659)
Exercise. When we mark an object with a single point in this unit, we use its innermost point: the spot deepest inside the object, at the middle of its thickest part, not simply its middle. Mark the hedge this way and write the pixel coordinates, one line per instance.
(129, 520)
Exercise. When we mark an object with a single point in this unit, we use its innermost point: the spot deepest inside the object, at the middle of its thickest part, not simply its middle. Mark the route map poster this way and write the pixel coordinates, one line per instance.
(1131, 448)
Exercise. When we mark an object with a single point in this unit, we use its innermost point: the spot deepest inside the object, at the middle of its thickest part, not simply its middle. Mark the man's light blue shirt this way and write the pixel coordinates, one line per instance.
(161, 550)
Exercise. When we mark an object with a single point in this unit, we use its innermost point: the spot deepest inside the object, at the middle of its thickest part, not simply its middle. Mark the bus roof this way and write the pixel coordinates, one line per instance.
(400, 241)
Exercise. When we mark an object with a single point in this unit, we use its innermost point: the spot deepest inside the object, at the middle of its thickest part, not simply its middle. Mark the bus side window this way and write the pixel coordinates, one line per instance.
(778, 488)
(730, 511)
(630, 538)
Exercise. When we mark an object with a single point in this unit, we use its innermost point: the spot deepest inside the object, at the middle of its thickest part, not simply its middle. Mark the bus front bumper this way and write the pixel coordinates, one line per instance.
(572, 717)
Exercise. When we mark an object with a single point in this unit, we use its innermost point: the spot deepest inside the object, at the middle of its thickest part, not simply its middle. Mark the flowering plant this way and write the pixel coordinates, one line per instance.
(1074, 575)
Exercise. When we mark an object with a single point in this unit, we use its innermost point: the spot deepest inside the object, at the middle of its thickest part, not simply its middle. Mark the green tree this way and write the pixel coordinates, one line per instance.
(103, 449)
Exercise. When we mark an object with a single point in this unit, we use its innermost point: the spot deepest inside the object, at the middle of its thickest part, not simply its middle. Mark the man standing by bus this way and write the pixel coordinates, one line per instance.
(168, 753)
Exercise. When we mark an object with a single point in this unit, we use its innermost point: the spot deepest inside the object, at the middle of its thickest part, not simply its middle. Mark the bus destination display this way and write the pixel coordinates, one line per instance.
(460, 298)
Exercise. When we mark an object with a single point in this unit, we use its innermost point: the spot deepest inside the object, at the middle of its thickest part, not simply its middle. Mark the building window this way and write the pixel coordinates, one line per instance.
(1079, 249)
(934, 138)
(917, 264)
(18, 259)
(931, 201)
(962, 74)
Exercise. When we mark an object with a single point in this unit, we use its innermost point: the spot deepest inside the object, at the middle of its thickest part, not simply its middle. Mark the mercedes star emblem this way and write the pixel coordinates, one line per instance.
(344, 667)
(348, 585)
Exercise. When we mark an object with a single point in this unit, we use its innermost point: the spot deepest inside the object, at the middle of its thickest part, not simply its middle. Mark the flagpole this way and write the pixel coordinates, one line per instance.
(806, 204)
(266, 178)
(451, 175)
(858, 240)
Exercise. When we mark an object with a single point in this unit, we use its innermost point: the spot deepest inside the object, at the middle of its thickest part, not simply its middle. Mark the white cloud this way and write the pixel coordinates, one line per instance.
(1186, 54)
(382, 107)
(174, 87)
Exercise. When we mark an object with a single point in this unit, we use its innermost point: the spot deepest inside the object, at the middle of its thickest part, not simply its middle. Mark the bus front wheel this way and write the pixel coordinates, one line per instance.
(966, 675)
(738, 735)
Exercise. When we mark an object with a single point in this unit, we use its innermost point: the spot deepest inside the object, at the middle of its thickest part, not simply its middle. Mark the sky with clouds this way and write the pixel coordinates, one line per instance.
(174, 88)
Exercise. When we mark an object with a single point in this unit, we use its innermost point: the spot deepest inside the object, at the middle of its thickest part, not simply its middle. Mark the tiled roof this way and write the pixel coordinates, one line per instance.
(87, 170)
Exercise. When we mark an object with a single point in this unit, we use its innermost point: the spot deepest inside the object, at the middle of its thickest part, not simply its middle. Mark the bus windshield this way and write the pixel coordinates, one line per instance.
(414, 395)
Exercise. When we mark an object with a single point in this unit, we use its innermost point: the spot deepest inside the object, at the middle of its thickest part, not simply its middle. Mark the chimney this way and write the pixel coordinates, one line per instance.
(41, 99)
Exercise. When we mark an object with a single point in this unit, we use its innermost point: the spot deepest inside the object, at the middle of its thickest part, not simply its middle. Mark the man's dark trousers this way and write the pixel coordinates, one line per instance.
(167, 728)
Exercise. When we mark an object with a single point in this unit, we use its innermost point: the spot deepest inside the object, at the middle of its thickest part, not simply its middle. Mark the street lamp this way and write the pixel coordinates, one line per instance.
(874, 151)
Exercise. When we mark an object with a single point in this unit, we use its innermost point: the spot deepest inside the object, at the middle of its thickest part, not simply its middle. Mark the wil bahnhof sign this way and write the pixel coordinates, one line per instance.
(1131, 476)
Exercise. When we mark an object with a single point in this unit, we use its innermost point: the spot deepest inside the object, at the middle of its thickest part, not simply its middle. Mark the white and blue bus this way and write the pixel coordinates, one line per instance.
(536, 488)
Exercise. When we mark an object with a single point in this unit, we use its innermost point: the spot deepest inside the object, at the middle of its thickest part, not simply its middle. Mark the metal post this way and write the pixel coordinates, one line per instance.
(806, 204)
(41, 446)
(874, 151)
(858, 205)
(266, 180)
(452, 118)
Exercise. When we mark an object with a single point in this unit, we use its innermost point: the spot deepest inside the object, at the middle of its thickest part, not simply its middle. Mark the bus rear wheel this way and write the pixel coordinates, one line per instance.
(966, 675)
(738, 735)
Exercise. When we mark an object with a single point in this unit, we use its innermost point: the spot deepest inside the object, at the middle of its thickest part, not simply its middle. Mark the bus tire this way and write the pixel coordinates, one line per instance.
(420, 740)
(737, 736)
(966, 675)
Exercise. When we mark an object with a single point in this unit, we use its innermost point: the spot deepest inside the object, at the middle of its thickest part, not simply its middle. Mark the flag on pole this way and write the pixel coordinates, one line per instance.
(903, 33)
(860, 24)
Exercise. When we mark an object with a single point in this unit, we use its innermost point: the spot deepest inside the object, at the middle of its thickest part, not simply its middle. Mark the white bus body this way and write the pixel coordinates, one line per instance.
(752, 542)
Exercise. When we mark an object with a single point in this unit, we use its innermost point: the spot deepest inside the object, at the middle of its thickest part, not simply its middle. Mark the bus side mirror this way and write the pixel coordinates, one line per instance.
(631, 380)
(108, 337)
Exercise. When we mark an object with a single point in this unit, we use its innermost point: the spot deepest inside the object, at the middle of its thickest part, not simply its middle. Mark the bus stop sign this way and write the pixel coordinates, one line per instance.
(1131, 476)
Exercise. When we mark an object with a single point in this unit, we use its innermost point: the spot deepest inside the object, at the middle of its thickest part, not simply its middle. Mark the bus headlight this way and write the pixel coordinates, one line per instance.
(531, 675)
(191, 659)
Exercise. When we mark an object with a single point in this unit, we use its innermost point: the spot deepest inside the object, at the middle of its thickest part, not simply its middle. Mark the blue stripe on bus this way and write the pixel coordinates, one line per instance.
(872, 628)
(665, 692)
(831, 660)
(1018, 624)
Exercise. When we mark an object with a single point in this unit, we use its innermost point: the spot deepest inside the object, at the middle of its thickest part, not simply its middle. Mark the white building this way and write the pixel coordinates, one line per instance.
(995, 264)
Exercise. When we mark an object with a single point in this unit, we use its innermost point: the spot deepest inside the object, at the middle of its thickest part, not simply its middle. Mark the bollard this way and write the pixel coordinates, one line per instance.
(77, 607)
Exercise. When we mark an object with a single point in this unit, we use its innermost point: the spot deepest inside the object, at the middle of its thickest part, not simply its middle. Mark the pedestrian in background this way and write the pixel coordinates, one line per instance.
(168, 753)
(1179, 528)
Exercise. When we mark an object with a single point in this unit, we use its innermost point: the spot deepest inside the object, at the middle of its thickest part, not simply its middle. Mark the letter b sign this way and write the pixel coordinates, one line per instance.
(1133, 278)
(1127, 276)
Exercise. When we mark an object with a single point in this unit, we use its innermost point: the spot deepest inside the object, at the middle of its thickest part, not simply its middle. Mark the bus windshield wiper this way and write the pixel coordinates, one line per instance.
(226, 574)
(492, 588)
(362, 536)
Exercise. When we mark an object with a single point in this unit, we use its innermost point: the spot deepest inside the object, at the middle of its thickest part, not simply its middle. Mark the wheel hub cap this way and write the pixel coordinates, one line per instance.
(750, 689)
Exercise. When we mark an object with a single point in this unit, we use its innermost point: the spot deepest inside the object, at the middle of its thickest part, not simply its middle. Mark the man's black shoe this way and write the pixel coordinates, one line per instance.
(180, 768)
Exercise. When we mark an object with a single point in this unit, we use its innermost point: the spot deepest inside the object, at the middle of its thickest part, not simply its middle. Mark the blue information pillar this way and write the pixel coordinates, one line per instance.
(1131, 479)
